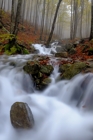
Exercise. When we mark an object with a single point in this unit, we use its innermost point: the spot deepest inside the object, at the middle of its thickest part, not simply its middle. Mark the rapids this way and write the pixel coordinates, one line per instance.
(64, 111)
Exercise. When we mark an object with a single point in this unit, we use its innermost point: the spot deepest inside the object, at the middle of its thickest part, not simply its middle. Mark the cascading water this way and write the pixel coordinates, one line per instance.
(64, 111)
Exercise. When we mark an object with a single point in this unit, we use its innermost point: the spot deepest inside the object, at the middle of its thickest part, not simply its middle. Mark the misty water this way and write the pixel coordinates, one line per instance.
(63, 111)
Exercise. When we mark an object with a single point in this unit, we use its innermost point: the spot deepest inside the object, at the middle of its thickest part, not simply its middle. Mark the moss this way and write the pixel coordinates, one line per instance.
(90, 51)
(46, 69)
(12, 50)
(7, 37)
(70, 70)
(25, 51)
(46, 81)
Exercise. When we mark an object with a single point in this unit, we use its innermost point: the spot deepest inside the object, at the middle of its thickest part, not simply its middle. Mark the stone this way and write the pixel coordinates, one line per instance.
(39, 73)
(72, 51)
(62, 54)
(46, 69)
(12, 64)
(70, 70)
(31, 68)
(21, 116)
(46, 81)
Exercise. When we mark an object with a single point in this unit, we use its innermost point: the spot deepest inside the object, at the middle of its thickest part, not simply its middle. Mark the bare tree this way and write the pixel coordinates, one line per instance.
(12, 17)
(53, 25)
(42, 21)
(17, 19)
(91, 32)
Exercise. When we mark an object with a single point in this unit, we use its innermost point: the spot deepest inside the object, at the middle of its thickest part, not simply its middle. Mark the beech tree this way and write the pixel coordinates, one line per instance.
(17, 19)
(53, 24)
(12, 17)
(91, 32)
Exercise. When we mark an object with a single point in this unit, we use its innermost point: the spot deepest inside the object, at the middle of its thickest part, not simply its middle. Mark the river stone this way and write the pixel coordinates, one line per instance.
(62, 54)
(31, 68)
(46, 69)
(72, 51)
(46, 81)
(70, 70)
(21, 115)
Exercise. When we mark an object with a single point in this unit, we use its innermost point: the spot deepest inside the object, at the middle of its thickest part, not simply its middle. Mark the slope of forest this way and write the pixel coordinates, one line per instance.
(27, 36)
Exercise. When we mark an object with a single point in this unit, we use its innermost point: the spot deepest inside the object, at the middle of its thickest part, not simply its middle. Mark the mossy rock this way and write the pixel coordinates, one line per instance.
(41, 85)
(39, 73)
(70, 70)
(32, 49)
(90, 51)
(62, 54)
(32, 68)
(46, 81)
(46, 69)
(21, 116)
(25, 51)
(72, 51)
(85, 47)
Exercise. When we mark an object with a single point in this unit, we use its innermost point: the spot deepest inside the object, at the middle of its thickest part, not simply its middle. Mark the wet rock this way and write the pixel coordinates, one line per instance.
(89, 66)
(46, 69)
(62, 47)
(72, 51)
(32, 67)
(39, 73)
(70, 70)
(12, 64)
(68, 47)
(33, 50)
(62, 54)
(21, 116)
(46, 81)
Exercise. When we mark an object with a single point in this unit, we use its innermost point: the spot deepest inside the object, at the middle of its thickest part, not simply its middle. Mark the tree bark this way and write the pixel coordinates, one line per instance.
(12, 17)
(42, 21)
(17, 19)
(53, 24)
(91, 31)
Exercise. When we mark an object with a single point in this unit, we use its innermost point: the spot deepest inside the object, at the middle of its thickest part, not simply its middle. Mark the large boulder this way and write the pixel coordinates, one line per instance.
(39, 73)
(21, 116)
(61, 47)
(32, 67)
(69, 70)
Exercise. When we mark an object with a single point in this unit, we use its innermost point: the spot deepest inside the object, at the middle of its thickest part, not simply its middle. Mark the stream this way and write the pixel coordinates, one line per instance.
(63, 111)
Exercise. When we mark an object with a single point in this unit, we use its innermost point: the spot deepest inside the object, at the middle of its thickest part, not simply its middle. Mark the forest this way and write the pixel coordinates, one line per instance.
(46, 69)
(68, 22)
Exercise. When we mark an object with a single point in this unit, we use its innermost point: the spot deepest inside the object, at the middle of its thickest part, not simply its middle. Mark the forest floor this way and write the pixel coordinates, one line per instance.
(29, 35)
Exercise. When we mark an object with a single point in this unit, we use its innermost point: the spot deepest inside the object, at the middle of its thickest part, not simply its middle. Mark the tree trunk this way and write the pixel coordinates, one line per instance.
(91, 32)
(53, 24)
(12, 17)
(43, 17)
(17, 19)
(71, 23)
(82, 10)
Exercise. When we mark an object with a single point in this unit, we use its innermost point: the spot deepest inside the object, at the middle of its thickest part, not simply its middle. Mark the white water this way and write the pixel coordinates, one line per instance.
(58, 112)
(43, 50)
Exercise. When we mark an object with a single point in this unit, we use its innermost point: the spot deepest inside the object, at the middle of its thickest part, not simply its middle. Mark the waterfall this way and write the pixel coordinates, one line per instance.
(63, 111)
